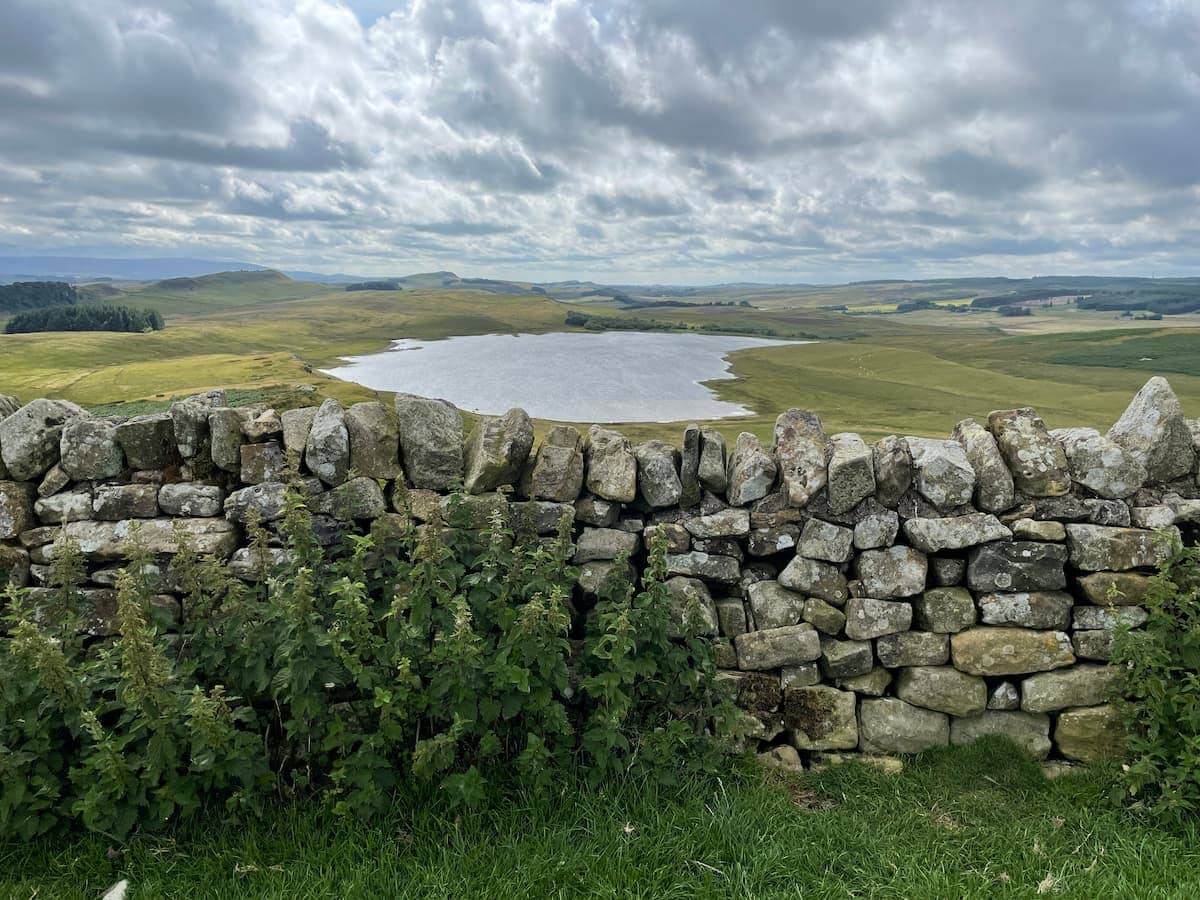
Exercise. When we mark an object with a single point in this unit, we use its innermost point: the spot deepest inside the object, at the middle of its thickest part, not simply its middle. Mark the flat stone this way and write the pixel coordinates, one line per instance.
(106, 541)
(593, 576)
(676, 536)
(1100, 464)
(954, 532)
(824, 617)
(774, 606)
(726, 523)
(1033, 609)
(1029, 732)
(1087, 618)
(941, 472)
(723, 569)
(1107, 512)
(1098, 547)
(994, 490)
(803, 675)
(1017, 566)
(1090, 734)
(1115, 588)
(894, 572)
(851, 472)
(1153, 431)
(496, 451)
(944, 610)
(1097, 644)
(751, 472)
(826, 541)
(876, 530)
(262, 462)
(595, 511)
(942, 688)
(913, 648)
(1080, 685)
(541, 517)
(605, 543)
(841, 659)
(1034, 530)
(1009, 651)
(869, 684)
(267, 501)
(68, 506)
(801, 447)
(88, 449)
(820, 718)
(191, 500)
(772, 648)
(125, 501)
(816, 579)
(693, 612)
(868, 618)
(769, 541)
(889, 725)
(893, 470)
(1036, 460)
(431, 442)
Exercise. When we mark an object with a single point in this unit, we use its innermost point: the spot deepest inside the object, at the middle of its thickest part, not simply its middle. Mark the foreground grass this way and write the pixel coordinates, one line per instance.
(976, 822)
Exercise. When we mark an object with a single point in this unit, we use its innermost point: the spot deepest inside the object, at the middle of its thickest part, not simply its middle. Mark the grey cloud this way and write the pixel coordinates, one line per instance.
(966, 172)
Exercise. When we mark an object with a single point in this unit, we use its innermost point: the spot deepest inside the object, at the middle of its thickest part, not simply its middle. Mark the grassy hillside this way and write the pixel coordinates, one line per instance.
(212, 293)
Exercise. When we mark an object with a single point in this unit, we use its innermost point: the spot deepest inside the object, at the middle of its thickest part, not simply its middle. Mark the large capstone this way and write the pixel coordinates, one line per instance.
(800, 448)
(889, 725)
(1036, 460)
(820, 718)
(611, 465)
(994, 490)
(658, 473)
(1153, 431)
(893, 470)
(30, 437)
(851, 472)
(226, 437)
(327, 453)
(431, 441)
(954, 532)
(148, 441)
(1010, 651)
(1017, 566)
(1101, 464)
(941, 472)
(497, 449)
(1096, 547)
(771, 648)
(751, 471)
(894, 572)
(374, 441)
(89, 450)
(942, 688)
(557, 471)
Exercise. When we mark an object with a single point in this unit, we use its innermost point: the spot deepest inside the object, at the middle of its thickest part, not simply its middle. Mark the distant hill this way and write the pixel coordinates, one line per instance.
(78, 269)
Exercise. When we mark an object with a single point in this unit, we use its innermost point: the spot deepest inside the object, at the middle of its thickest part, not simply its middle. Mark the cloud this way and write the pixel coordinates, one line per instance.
(654, 140)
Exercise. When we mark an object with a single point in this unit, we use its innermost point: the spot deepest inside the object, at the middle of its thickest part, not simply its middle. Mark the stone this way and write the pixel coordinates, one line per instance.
(751, 471)
(941, 472)
(781, 756)
(803, 675)
(769, 541)
(1033, 530)
(69, 506)
(189, 420)
(826, 541)
(800, 450)
(913, 648)
(889, 725)
(247, 565)
(113, 502)
(947, 570)
(816, 579)
(692, 609)
(1003, 696)
(267, 500)
(1098, 547)
(824, 617)
(1009, 651)
(1081, 685)
(540, 516)
(869, 684)
(605, 543)
(358, 498)
(1100, 464)
(658, 474)
(851, 472)
(841, 659)
(1097, 644)
(262, 462)
(593, 576)
(723, 654)
(1152, 430)
(148, 441)
(726, 523)
(374, 441)
(191, 500)
(703, 565)
(1017, 566)
(867, 617)
(1032, 609)
(431, 442)
(994, 490)
(820, 718)
(876, 530)
(1161, 516)
(942, 688)
(731, 617)
(689, 467)
(557, 471)
(954, 532)
(712, 467)
(591, 510)
(676, 536)
(773, 511)
(53, 481)
(1108, 618)
(772, 648)
(893, 470)
(944, 610)
(894, 572)
(773, 606)
(1115, 588)
(611, 465)
(16, 508)
(496, 451)
(1029, 732)
(327, 453)
(1036, 460)
(264, 425)
(110, 541)
(1090, 734)
(15, 569)
(226, 438)
(1107, 512)
(296, 424)
(88, 449)
(30, 437)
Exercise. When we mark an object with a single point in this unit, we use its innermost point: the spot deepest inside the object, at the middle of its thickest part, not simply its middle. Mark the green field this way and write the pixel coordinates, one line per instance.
(914, 373)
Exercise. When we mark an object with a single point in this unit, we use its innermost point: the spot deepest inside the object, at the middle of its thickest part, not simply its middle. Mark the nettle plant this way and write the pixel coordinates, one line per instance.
(412, 652)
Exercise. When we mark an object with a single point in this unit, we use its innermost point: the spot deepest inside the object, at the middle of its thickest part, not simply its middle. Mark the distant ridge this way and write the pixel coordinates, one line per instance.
(88, 268)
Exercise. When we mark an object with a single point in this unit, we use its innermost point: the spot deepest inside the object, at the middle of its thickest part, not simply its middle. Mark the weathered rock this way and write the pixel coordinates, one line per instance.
(1096, 644)
(296, 424)
(358, 498)
(781, 756)
(1115, 588)
(557, 471)
(823, 540)
(268, 500)
(1097, 547)
(1107, 512)
(189, 420)
(894, 572)
(658, 474)
(30, 437)
(751, 471)
(816, 579)
(1090, 734)
(148, 441)
(327, 453)
(431, 441)
(1160, 516)
(226, 437)
(889, 725)
(496, 451)
(851, 472)
(88, 449)
(726, 523)
(1152, 430)
(944, 610)
(605, 543)
(876, 530)
(893, 470)
(775, 647)
(769, 541)
(1003, 696)
(954, 532)
(262, 462)
(712, 468)
(1029, 732)
(105, 541)
(869, 684)
(16, 508)
(1017, 566)
(69, 506)
(1088, 618)
(14, 567)
(803, 675)
(8, 405)
(868, 618)
(1009, 651)
(692, 609)
(113, 502)
(722, 569)
(191, 500)
(1034, 609)
(593, 576)
(1036, 460)
(247, 565)
(947, 570)
(994, 490)
(1081, 685)
(842, 659)
(262, 425)
(942, 688)
(374, 441)
(611, 465)
(540, 516)
(800, 449)
(773, 606)
(1100, 464)
(53, 481)
(591, 510)
(689, 467)
(941, 472)
(677, 537)
(1033, 530)
(824, 617)
(731, 617)
(913, 648)
(820, 718)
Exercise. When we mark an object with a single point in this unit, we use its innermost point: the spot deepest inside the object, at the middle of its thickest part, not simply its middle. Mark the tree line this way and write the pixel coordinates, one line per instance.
(85, 318)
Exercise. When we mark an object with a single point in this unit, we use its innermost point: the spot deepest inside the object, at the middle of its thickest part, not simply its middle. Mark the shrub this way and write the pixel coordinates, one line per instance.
(427, 652)
(1160, 690)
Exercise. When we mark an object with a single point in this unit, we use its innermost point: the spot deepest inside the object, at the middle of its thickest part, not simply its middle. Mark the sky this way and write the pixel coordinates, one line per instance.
(680, 141)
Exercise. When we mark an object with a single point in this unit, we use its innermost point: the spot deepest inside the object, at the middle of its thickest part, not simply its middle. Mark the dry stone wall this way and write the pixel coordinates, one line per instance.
(882, 598)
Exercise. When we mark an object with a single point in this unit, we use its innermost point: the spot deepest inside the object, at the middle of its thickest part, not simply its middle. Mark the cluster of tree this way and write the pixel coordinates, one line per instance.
(997, 300)
(374, 286)
(634, 323)
(36, 294)
(653, 304)
(913, 305)
(1014, 311)
(85, 318)
(1167, 300)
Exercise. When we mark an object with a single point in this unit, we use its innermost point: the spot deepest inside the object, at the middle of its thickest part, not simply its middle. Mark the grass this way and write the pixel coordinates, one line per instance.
(965, 822)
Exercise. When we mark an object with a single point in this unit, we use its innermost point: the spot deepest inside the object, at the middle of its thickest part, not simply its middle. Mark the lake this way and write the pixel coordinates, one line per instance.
(611, 376)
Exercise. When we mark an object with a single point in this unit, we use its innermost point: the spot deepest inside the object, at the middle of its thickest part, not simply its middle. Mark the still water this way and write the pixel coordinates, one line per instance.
(612, 376)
